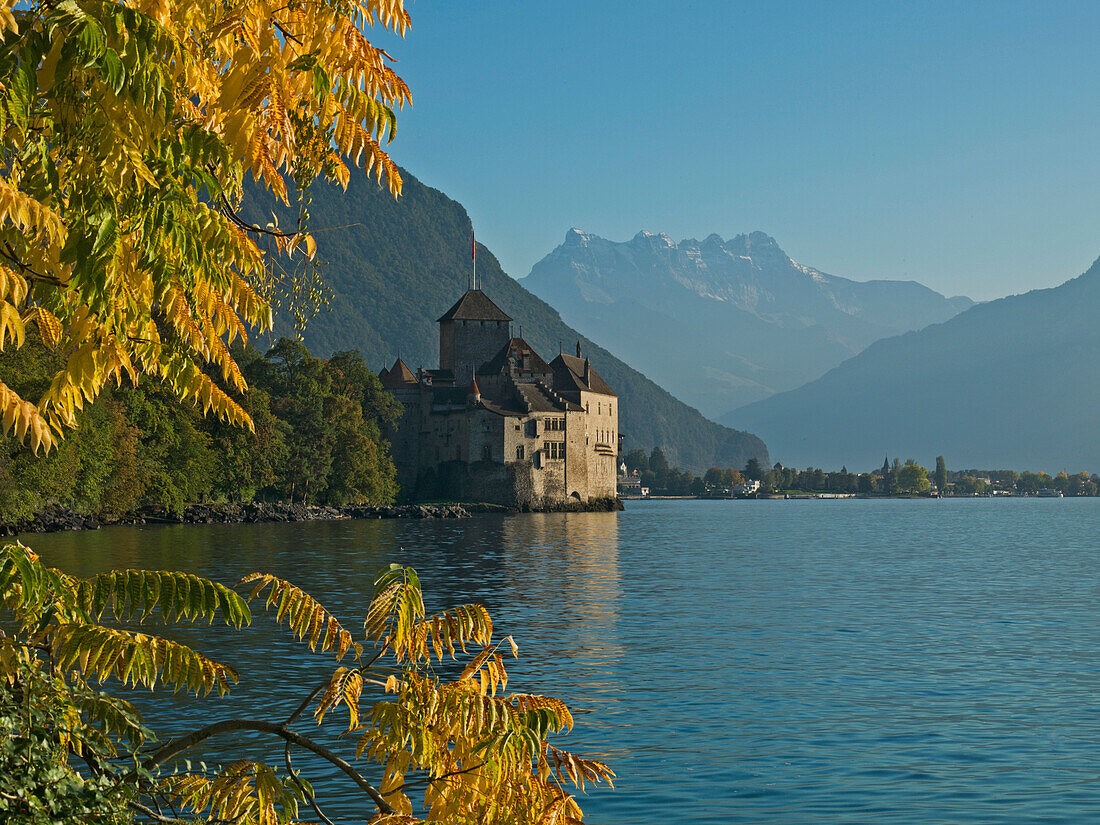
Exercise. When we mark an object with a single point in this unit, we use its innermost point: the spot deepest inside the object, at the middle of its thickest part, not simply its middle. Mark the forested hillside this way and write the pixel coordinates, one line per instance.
(318, 439)
(395, 266)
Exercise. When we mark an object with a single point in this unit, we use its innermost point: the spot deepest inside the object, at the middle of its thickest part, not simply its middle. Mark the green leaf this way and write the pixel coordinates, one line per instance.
(105, 237)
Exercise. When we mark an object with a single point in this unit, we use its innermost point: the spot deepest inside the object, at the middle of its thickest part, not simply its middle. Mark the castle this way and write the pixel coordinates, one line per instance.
(497, 423)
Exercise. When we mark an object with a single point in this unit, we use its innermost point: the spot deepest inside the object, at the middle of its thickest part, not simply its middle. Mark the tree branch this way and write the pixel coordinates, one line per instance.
(301, 786)
(149, 812)
(9, 253)
(178, 746)
(229, 212)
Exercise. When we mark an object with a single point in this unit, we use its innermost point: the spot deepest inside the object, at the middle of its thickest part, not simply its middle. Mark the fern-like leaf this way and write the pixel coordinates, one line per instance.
(396, 611)
(344, 688)
(138, 659)
(306, 617)
(180, 597)
(452, 628)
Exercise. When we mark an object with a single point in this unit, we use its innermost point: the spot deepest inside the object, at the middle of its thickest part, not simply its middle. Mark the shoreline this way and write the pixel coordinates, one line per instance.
(58, 519)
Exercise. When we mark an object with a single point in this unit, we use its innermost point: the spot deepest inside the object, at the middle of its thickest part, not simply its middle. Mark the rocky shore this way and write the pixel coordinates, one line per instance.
(56, 518)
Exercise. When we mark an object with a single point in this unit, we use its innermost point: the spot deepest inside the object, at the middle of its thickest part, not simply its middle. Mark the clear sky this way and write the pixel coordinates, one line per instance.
(957, 144)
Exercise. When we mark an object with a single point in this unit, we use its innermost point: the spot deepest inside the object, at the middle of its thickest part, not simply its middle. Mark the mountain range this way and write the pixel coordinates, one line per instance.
(1012, 383)
(722, 323)
(394, 266)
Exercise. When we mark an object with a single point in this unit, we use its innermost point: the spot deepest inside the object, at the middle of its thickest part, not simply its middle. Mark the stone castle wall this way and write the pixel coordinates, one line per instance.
(466, 345)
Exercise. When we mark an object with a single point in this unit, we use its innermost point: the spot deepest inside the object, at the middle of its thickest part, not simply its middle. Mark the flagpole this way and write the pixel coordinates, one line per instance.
(473, 254)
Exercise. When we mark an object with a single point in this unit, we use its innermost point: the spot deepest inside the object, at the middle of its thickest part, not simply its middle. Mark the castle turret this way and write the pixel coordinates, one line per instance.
(470, 333)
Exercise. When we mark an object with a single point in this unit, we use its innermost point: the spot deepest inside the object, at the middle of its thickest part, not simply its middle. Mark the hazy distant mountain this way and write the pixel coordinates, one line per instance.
(723, 323)
(395, 266)
(1013, 383)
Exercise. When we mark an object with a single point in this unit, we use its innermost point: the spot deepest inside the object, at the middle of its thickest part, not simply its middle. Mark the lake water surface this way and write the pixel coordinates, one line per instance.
(883, 661)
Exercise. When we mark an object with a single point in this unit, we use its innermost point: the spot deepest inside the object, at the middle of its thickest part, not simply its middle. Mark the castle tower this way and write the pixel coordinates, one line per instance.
(470, 333)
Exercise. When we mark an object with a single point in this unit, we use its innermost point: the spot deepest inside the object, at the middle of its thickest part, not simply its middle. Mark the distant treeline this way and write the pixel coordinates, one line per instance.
(318, 440)
(895, 478)
(662, 479)
(911, 478)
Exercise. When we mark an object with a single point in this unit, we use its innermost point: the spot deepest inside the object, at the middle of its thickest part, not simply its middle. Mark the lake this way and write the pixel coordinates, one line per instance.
(886, 661)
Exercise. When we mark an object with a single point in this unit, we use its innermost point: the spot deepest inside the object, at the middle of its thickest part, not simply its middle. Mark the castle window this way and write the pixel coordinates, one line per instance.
(553, 449)
(487, 453)
(519, 453)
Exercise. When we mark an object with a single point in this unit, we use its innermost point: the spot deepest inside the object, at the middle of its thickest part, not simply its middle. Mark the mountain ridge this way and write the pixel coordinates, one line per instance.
(724, 322)
(1010, 383)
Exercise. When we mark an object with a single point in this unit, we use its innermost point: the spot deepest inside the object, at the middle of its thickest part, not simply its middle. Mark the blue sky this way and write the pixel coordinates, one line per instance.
(954, 144)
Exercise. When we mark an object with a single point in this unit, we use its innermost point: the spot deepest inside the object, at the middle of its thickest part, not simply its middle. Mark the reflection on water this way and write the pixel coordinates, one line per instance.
(568, 566)
(735, 662)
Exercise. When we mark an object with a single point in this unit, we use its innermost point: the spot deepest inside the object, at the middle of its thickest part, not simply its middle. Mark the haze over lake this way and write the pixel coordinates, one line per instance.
(887, 661)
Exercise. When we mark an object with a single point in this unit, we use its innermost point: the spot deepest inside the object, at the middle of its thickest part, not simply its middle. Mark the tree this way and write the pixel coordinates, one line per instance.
(940, 476)
(127, 134)
(480, 754)
(912, 478)
(714, 477)
(657, 461)
(753, 470)
(637, 460)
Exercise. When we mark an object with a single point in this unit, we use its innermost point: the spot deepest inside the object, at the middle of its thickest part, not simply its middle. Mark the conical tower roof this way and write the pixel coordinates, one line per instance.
(399, 375)
(474, 306)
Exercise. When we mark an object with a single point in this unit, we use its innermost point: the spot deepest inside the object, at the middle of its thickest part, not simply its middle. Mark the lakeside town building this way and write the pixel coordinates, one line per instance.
(497, 423)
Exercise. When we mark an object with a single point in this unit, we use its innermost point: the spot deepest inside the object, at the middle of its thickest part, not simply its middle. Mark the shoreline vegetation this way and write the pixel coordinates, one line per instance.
(56, 518)
(894, 479)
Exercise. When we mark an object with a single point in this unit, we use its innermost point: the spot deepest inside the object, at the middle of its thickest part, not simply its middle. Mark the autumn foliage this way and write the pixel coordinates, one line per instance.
(458, 750)
(128, 128)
